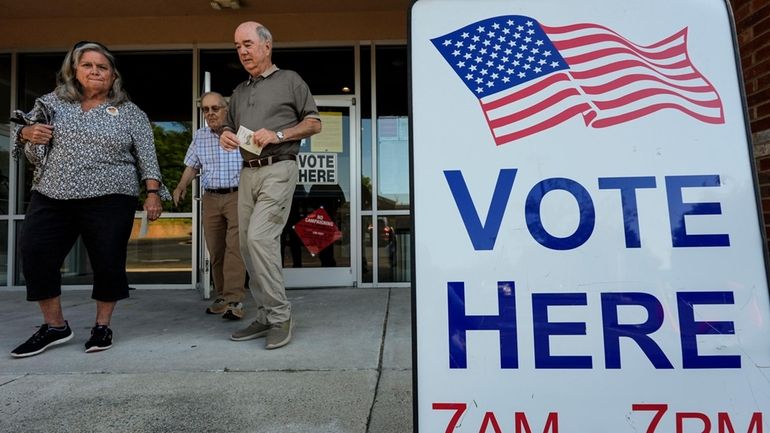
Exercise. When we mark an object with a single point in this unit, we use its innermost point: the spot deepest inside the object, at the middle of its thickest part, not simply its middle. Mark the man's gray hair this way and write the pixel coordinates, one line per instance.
(264, 34)
(217, 94)
(69, 88)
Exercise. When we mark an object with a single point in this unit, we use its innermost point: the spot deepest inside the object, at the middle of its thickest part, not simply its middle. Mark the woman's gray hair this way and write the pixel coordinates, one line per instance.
(69, 88)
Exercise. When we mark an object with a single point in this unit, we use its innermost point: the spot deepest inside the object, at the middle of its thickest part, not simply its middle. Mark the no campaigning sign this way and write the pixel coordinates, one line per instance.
(317, 231)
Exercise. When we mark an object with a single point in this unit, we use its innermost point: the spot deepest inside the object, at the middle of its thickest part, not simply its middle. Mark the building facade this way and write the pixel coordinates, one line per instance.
(752, 22)
(353, 55)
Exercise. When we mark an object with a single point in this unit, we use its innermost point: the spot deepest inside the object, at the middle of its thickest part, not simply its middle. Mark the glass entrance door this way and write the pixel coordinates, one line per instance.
(316, 244)
(323, 208)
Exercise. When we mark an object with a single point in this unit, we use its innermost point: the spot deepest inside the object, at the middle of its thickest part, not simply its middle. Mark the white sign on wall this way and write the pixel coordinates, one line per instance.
(317, 168)
(588, 251)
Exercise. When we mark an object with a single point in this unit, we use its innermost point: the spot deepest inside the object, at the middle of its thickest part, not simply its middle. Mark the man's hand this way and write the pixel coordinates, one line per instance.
(263, 137)
(179, 193)
(229, 141)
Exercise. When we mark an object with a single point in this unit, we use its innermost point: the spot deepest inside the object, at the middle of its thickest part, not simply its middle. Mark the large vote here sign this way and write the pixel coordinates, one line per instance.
(588, 248)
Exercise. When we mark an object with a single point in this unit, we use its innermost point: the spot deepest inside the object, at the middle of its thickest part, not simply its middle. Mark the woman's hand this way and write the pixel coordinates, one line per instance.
(153, 206)
(39, 133)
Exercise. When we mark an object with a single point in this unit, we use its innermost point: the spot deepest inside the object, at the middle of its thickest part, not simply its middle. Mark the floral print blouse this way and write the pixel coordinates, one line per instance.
(105, 150)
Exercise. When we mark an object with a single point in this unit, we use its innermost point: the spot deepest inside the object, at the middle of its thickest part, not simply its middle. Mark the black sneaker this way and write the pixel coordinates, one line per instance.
(41, 340)
(101, 339)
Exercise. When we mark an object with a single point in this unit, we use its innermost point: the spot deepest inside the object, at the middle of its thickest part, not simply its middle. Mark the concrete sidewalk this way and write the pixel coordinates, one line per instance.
(173, 369)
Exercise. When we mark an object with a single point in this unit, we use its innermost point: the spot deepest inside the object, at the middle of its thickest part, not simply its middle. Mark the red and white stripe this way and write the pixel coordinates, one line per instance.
(541, 104)
(624, 81)
(610, 81)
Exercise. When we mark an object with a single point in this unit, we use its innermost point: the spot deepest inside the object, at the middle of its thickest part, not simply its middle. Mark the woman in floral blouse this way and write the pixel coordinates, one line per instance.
(91, 148)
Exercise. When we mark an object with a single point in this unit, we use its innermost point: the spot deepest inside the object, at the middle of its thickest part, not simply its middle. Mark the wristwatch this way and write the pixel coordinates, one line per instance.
(280, 136)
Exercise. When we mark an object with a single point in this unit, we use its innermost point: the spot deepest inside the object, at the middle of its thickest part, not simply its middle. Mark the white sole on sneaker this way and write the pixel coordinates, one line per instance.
(250, 336)
(93, 349)
(283, 342)
(37, 352)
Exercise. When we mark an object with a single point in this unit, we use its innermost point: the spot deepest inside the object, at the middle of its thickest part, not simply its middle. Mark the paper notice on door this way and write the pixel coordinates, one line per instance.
(331, 138)
(244, 138)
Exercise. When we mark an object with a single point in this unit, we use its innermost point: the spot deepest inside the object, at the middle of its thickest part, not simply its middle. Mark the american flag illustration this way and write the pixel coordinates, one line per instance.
(529, 77)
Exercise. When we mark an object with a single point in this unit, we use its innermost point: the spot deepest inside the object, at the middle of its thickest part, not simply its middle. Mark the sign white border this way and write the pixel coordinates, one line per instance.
(564, 302)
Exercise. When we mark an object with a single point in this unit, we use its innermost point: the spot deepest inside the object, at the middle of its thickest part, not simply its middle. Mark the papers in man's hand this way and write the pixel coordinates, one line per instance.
(244, 137)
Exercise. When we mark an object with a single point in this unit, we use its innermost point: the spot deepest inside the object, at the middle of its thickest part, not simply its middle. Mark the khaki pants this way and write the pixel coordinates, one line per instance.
(220, 227)
(264, 202)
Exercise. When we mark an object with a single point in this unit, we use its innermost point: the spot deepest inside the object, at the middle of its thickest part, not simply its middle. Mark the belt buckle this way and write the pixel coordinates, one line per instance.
(260, 162)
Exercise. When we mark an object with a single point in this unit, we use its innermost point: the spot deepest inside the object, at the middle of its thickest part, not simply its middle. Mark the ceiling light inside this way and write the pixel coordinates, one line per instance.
(223, 4)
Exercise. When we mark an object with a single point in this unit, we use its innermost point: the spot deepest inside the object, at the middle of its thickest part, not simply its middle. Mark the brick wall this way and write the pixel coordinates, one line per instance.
(752, 22)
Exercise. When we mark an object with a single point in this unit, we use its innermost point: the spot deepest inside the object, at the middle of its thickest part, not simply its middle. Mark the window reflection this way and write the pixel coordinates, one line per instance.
(161, 252)
(171, 142)
(366, 129)
(393, 248)
(36, 78)
(166, 99)
(392, 162)
(3, 252)
(367, 249)
(5, 87)
(5, 113)
(392, 128)
(385, 240)
(158, 253)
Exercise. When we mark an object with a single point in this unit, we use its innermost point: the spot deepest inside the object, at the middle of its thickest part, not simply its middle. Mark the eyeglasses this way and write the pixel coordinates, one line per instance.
(213, 109)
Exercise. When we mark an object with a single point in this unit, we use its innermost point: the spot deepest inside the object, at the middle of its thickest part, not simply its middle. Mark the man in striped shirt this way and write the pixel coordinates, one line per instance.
(220, 174)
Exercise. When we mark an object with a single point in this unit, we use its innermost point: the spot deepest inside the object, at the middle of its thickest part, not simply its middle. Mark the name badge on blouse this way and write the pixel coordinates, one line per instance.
(112, 110)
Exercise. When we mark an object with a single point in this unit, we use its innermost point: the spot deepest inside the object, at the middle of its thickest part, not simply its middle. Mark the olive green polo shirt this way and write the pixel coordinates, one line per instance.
(277, 99)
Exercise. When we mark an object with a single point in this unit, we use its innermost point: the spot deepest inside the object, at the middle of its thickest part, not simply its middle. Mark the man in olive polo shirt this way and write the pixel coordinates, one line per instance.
(277, 105)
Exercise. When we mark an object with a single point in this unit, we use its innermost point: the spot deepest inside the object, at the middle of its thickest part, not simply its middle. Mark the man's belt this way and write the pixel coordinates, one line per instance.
(262, 162)
(222, 190)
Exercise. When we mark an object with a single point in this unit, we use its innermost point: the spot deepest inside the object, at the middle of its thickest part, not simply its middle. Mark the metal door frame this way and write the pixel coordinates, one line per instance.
(337, 277)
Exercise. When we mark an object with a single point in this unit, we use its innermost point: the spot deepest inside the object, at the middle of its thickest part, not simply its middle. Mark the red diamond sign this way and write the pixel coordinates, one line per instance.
(317, 231)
